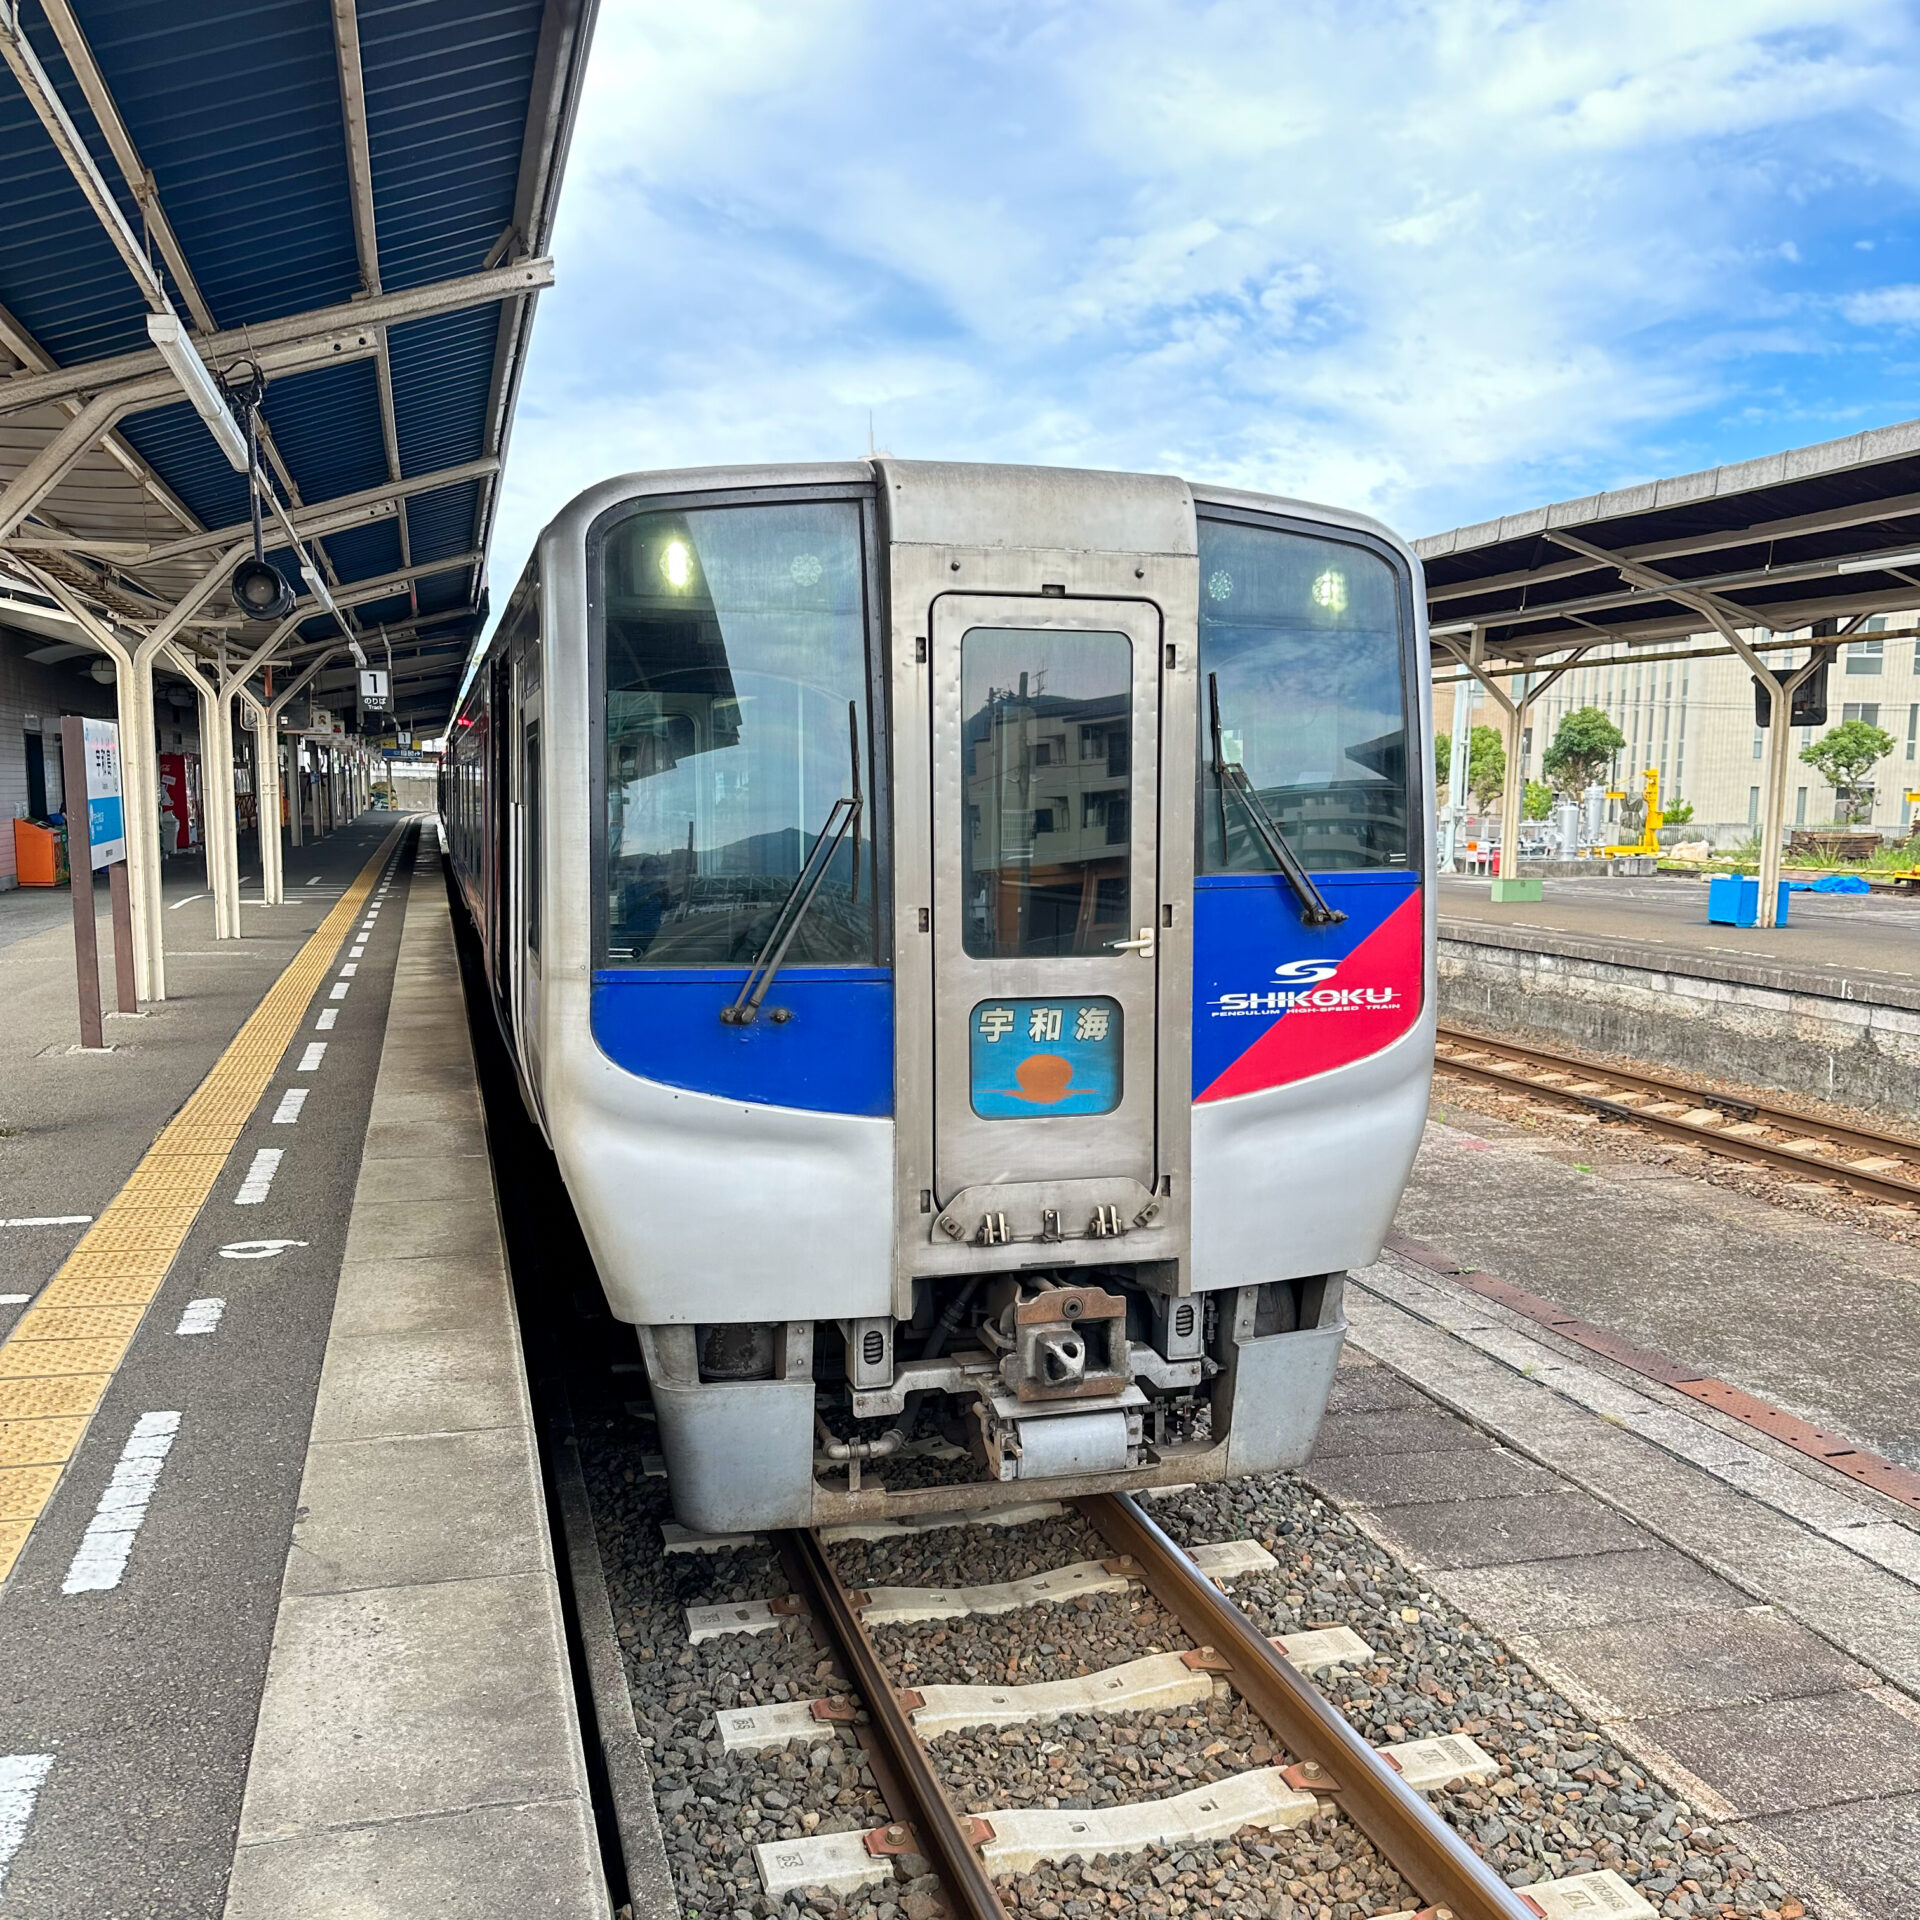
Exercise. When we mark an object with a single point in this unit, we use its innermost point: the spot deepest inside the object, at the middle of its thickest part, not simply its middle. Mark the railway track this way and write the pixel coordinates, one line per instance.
(1318, 1768)
(1329, 1758)
(1878, 1166)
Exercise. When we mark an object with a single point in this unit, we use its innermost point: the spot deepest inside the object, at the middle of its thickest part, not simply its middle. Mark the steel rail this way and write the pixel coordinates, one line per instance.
(1881, 1186)
(940, 1831)
(1332, 1757)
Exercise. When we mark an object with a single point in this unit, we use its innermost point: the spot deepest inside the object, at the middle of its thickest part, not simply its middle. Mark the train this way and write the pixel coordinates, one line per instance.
(966, 933)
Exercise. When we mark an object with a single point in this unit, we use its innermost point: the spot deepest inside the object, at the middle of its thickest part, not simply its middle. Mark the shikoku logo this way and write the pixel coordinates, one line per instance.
(1305, 972)
(1298, 984)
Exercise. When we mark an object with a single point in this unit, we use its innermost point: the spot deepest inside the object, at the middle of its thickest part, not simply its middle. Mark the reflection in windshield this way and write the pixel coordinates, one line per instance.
(1304, 637)
(1047, 732)
(736, 639)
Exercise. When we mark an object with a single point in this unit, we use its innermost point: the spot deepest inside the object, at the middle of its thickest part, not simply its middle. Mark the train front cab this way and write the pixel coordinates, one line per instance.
(1058, 1060)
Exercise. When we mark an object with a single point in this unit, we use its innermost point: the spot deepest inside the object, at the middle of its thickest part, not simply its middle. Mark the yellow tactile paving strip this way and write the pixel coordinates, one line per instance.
(62, 1352)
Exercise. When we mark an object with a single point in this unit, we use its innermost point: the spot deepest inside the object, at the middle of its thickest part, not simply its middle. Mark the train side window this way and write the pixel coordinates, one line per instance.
(1304, 641)
(735, 652)
(530, 832)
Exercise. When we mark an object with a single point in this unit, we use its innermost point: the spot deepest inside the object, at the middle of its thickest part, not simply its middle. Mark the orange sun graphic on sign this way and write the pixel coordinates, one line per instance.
(1044, 1078)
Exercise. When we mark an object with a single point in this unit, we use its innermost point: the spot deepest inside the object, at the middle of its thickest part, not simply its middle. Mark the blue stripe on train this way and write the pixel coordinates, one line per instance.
(834, 1056)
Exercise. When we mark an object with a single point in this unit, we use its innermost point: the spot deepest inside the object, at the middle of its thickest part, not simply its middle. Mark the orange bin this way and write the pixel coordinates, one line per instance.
(39, 854)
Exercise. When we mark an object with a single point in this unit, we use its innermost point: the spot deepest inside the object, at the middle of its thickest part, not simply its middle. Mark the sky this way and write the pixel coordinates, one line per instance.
(1436, 262)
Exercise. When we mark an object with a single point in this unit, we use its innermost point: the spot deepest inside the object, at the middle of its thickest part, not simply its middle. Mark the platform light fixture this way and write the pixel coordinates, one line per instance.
(260, 590)
(676, 562)
(183, 358)
(1874, 562)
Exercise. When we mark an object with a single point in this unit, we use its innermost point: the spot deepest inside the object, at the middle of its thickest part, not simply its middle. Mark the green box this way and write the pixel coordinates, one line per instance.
(1519, 889)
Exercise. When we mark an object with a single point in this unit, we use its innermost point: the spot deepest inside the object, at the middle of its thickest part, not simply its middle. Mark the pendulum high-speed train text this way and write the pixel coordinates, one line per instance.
(966, 933)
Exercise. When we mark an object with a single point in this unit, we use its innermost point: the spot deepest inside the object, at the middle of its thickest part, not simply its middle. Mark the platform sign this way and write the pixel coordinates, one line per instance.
(1032, 1058)
(106, 824)
(374, 689)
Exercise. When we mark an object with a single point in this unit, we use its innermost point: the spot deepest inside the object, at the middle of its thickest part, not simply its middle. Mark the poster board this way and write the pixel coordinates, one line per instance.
(106, 823)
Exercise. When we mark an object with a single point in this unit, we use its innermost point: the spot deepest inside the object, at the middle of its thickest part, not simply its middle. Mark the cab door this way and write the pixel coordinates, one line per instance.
(1048, 921)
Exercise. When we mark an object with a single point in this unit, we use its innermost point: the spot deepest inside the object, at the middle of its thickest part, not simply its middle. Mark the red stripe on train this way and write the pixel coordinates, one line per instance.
(1368, 1004)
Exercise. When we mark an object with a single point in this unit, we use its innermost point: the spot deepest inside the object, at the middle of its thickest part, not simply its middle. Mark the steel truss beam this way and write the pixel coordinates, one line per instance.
(60, 455)
(315, 520)
(1904, 506)
(355, 318)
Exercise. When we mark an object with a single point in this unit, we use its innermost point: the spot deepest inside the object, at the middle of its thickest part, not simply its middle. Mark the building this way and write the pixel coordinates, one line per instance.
(1692, 721)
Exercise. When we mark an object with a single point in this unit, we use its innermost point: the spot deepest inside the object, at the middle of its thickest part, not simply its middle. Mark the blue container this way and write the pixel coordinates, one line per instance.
(1733, 900)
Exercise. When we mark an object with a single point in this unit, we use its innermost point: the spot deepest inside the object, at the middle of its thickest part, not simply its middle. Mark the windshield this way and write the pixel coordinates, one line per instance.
(736, 700)
(1303, 638)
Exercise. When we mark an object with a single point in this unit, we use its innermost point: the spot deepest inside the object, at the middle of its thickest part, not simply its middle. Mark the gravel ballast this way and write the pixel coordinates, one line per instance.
(1567, 1800)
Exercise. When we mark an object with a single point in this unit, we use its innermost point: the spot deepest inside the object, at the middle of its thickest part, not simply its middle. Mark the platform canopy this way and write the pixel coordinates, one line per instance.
(1756, 559)
(353, 199)
(1771, 546)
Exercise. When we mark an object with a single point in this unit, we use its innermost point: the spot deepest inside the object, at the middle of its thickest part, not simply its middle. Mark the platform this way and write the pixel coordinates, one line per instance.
(271, 1527)
(1825, 1008)
(1854, 946)
(1741, 1615)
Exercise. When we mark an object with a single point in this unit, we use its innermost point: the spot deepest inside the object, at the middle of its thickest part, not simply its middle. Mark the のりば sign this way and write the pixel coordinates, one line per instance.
(106, 823)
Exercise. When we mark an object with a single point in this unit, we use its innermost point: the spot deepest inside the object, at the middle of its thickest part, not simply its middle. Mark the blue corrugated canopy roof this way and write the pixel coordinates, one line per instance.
(395, 161)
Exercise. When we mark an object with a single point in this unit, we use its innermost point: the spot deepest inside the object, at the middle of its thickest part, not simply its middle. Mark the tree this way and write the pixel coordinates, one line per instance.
(1677, 812)
(1583, 748)
(1442, 759)
(1486, 765)
(1538, 804)
(1844, 757)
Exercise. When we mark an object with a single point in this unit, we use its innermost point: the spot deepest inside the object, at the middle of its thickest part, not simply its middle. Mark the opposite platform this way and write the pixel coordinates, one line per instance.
(1827, 1007)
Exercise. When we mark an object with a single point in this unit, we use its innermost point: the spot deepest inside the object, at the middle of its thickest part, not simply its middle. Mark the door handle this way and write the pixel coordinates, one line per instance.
(1143, 946)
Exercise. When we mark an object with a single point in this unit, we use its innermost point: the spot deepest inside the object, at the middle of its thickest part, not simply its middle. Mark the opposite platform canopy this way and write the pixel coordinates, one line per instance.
(354, 197)
(1827, 534)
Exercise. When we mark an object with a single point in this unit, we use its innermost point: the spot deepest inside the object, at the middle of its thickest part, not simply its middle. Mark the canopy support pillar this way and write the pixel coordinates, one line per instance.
(1508, 886)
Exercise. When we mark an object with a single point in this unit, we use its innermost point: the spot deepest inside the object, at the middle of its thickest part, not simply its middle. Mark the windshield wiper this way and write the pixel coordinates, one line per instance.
(844, 818)
(1231, 777)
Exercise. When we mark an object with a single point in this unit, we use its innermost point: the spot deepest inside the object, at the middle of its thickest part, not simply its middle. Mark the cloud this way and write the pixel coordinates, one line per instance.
(1437, 259)
(1884, 307)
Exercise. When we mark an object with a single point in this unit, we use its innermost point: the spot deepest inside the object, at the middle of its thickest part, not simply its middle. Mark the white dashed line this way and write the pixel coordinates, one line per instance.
(102, 1557)
(339, 989)
(174, 906)
(49, 1220)
(253, 1189)
(328, 1015)
(288, 1111)
(257, 1249)
(315, 881)
(354, 953)
(348, 971)
(22, 1775)
(315, 1053)
(201, 1316)
(14, 1299)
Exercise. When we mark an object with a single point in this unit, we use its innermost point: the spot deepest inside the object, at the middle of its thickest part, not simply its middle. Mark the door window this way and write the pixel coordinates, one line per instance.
(530, 827)
(1046, 732)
